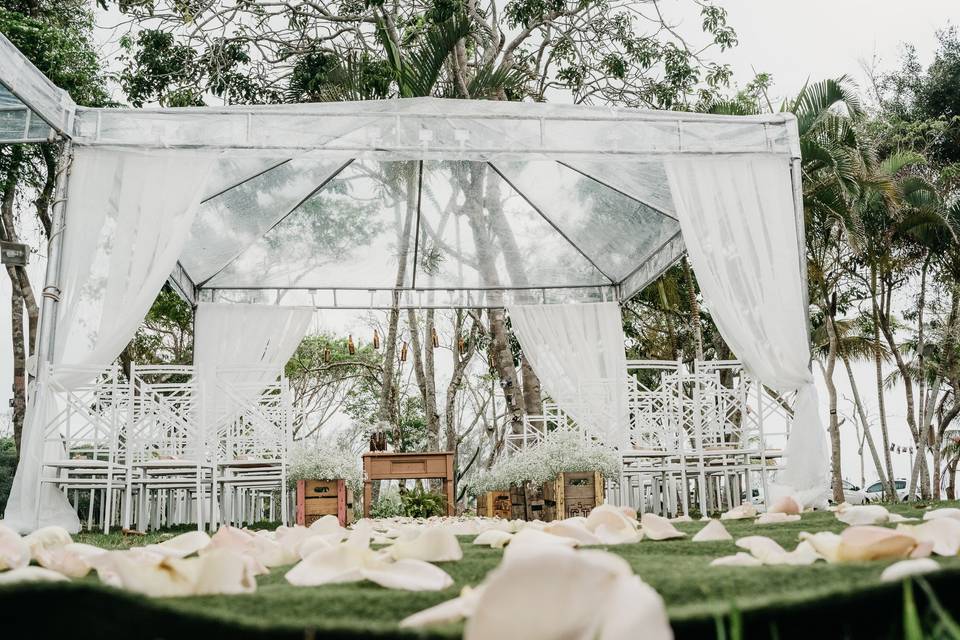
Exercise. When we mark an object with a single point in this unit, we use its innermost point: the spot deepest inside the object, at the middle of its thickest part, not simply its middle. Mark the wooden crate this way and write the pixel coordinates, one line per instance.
(494, 504)
(318, 498)
(578, 493)
(569, 495)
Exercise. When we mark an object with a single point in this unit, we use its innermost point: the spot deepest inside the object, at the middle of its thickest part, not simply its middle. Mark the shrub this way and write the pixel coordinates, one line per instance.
(420, 503)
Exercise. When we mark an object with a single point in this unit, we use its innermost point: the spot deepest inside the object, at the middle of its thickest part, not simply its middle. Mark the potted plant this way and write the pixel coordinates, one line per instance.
(326, 479)
(561, 477)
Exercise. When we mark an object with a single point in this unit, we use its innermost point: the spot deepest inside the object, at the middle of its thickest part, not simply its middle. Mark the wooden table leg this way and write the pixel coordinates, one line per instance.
(367, 497)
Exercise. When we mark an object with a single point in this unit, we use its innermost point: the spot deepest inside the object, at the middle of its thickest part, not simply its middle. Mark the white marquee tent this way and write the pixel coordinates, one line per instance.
(425, 203)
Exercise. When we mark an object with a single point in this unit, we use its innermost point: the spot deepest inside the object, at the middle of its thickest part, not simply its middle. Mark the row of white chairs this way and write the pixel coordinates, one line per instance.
(706, 439)
(162, 446)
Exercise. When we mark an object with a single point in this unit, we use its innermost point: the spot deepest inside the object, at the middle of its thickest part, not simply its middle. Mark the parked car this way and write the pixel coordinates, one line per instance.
(852, 494)
(874, 492)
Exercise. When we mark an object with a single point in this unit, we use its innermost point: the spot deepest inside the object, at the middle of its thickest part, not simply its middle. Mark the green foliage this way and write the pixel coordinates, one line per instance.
(388, 506)
(421, 503)
(58, 40)
(166, 334)
(8, 467)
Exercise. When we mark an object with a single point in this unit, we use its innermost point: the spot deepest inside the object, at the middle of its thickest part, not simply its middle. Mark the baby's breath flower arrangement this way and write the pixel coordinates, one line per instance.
(324, 462)
(562, 451)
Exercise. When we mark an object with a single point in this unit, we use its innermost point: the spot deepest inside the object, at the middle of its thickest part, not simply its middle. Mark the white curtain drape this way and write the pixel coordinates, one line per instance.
(244, 346)
(128, 217)
(738, 223)
(577, 351)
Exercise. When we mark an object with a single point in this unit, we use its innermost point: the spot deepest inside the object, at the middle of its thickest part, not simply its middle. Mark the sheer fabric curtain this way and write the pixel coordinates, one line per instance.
(251, 342)
(128, 217)
(578, 353)
(738, 223)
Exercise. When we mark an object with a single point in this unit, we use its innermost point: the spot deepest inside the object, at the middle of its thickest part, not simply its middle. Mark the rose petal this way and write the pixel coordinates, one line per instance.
(785, 504)
(865, 514)
(713, 532)
(434, 544)
(73, 560)
(315, 543)
(739, 559)
(611, 517)
(657, 527)
(905, 568)
(14, 550)
(181, 546)
(326, 524)
(343, 563)
(945, 512)
(408, 575)
(777, 517)
(30, 574)
(873, 543)
(559, 593)
(493, 538)
(763, 548)
(744, 511)
(223, 571)
(575, 529)
(450, 611)
(47, 538)
(942, 533)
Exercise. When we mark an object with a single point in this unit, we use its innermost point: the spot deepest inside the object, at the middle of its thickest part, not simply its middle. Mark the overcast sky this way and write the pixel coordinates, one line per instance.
(794, 41)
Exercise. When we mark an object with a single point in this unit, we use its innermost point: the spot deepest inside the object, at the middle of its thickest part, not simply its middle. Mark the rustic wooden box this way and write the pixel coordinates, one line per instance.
(569, 495)
(318, 498)
(494, 504)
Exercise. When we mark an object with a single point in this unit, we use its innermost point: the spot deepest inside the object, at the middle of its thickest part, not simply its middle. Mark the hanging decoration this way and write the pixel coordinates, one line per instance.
(461, 346)
(326, 355)
(376, 340)
(436, 340)
(403, 352)
(350, 346)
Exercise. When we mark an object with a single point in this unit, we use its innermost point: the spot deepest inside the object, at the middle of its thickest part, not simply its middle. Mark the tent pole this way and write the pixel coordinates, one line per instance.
(51, 288)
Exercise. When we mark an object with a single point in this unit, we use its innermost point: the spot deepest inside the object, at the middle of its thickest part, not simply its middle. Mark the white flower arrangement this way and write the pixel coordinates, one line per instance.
(561, 451)
(323, 462)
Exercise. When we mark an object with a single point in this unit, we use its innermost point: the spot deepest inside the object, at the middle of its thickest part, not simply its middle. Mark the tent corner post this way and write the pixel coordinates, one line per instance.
(51, 288)
(796, 179)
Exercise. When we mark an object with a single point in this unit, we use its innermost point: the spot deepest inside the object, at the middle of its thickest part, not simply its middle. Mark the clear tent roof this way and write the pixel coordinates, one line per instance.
(446, 202)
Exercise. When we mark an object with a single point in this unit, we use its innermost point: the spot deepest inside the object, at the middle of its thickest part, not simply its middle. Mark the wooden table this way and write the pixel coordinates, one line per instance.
(383, 465)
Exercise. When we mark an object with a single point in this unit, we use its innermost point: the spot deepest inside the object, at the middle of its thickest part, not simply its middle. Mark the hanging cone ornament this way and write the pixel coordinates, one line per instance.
(352, 348)
(462, 346)
(376, 339)
(326, 355)
(436, 340)
(403, 352)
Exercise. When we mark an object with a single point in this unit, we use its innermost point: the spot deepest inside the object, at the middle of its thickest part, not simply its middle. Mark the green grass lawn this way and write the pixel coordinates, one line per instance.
(820, 600)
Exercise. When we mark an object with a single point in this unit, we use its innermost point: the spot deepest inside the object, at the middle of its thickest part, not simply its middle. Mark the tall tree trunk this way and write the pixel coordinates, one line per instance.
(867, 435)
(694, 308)
(881, 404)
(952, 472)
(906, 376)
(18, 344)
(423, 382)
(385, 411)
(532, 397)
(668, 319)
(836, 471)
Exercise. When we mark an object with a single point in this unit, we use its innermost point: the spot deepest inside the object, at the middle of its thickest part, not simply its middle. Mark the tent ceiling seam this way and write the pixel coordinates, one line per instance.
(245, 180)
(647, 259)
(551, 223)
(273, 226)
(614, 189)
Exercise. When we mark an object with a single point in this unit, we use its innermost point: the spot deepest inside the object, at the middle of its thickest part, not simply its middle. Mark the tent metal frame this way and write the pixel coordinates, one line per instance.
(82, 126)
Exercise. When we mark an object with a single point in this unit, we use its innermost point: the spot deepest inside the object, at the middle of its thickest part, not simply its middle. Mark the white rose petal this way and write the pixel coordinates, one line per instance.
(713, 532)
(659, 528)
(905, 568)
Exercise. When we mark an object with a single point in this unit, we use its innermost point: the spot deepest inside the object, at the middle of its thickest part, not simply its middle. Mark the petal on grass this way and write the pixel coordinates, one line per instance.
(657, 527)
(433, 544)
(713, 532)
(493, 538)
(31, 574)
(905, 568)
